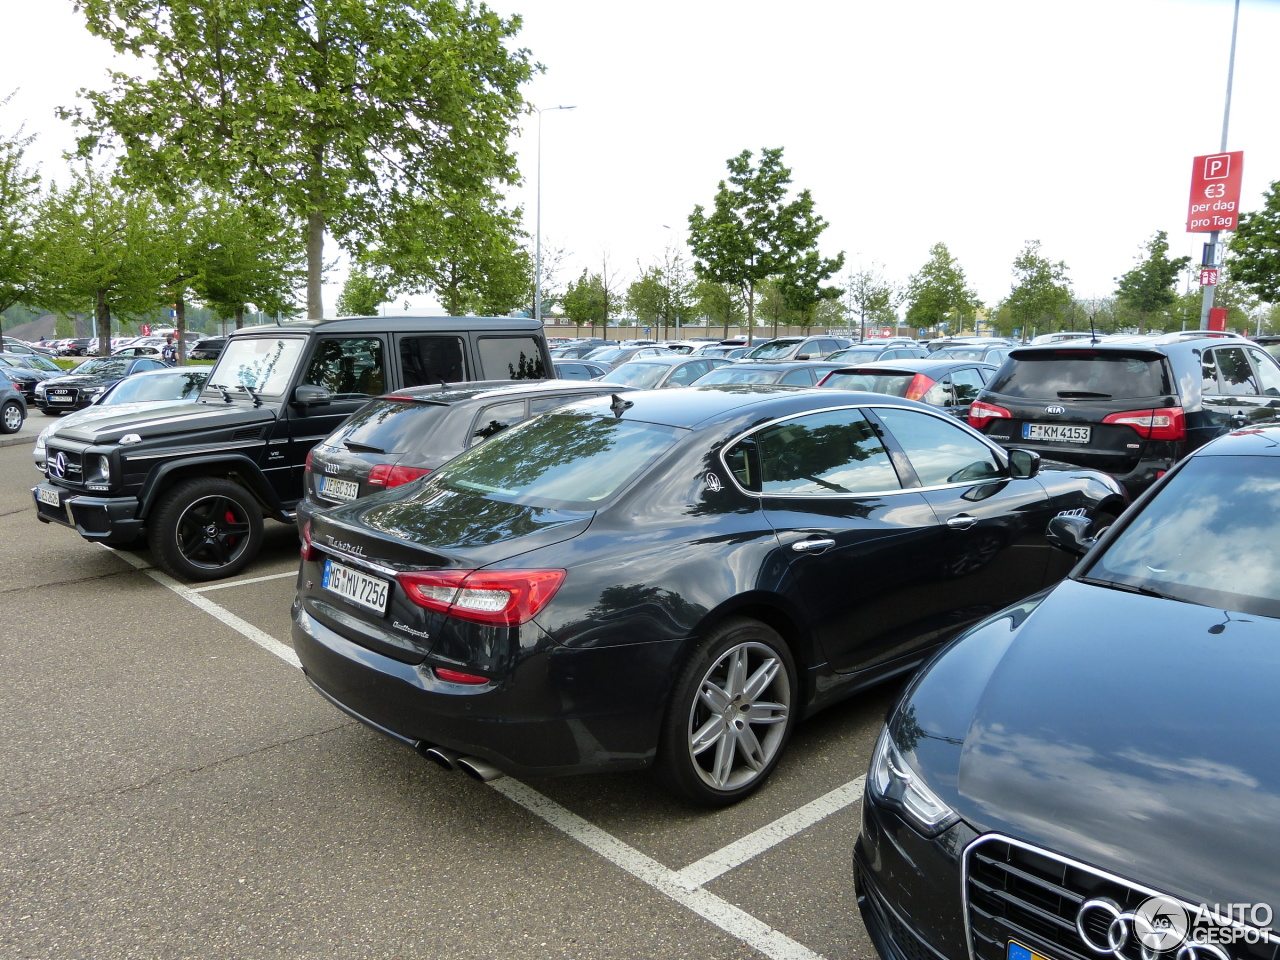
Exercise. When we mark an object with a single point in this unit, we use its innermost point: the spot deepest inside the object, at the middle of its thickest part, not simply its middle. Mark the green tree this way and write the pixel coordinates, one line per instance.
(938, 295)
(754, 232)
(463, 247)
(1255, 249)
(772, 306)
(663, 295)
(1150, 287)
(801, 285)
(1041, 290)
(362, 294)
(719, 303)
(19, 193)
(252, 256)
(584, 301)
(871, 298)
(334, 110)
(1238, 299)
(101, 250)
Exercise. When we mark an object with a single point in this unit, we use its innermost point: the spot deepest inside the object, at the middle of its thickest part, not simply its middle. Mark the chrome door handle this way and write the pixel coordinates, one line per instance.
(962, 522)
(812, 546)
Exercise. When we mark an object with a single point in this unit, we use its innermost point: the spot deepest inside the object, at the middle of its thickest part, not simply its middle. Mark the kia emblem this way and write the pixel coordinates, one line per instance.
(1055, 410)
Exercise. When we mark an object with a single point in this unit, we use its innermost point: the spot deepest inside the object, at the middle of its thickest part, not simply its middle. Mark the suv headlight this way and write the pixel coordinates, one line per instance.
(896, 785)
(97, 471)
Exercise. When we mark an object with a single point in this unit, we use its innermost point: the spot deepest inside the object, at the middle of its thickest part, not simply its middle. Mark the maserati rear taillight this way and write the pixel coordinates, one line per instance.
(501, 598)
(309, 551)
(1163, 423)
(385, 475)
(980, 414)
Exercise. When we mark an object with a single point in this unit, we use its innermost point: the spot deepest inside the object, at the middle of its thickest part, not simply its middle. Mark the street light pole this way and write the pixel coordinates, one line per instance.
(537, 267)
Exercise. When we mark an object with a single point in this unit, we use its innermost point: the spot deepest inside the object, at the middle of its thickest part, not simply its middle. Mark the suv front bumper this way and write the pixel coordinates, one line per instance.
(94, 518)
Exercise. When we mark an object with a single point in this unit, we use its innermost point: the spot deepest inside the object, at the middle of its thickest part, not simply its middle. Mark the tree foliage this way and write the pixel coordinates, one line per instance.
(871, 298)
(103, 251)
(19, 193)
(1150, 287)
(939, 295)
(250, 255)
(334, 110)
(1041, 290)
(720, 304)
(593, 298)
(362, 294)
(663, 295)
(754, 232)
(1255, 249)
(466, 248)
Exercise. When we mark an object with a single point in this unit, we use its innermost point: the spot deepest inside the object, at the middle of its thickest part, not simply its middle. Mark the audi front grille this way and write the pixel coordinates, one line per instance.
(1043, 901)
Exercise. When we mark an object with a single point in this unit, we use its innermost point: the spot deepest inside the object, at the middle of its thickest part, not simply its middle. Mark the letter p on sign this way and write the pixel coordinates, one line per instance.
(1218, 167)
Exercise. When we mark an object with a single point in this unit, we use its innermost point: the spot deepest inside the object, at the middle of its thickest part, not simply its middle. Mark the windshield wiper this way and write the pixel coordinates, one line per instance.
(257, 401)
(357, 447)
(1130, 588)
(226, 395)
(1082, 395)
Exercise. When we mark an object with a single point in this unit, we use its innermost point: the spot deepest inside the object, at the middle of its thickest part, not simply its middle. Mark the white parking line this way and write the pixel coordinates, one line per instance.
(770, 835)
(240, 626)
(732, 920)
(241, 583)
(683, 886)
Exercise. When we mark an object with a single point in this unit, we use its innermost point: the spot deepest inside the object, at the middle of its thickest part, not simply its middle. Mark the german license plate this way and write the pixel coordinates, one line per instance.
(49, 495)
(339, 489)
(58, 397)
(359, 588)
(1063, 432)
(1017, 951)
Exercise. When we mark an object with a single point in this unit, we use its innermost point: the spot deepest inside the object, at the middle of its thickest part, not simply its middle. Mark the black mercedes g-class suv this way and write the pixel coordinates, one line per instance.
(197, 479)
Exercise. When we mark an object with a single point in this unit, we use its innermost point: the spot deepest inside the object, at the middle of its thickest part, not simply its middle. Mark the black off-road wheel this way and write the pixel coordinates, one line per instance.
(205, 529)
(730, 716)
(11, 417)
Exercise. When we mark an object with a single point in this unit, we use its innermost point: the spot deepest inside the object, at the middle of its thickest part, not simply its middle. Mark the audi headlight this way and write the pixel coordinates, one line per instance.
(40, 387)
(896, 785)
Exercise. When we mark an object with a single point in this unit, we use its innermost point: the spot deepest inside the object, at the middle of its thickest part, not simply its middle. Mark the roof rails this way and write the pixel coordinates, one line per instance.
(1195, 335)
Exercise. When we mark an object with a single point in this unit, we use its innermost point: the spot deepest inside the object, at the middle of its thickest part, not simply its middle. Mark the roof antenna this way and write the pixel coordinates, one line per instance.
(1092, 329)
(619, 406)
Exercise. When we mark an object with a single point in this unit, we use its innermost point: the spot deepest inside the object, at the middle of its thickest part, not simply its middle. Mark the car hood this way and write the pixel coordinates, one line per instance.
(81, 380)
(156, 420)
(1137, 734)
(105, 412)
(424, 525)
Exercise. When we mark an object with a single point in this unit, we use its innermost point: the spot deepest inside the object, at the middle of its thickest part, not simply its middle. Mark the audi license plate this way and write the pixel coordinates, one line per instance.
(49, 495)
(339, 489)
(1063, 432)
(58, 397)
(1017, 951)
(359, 588)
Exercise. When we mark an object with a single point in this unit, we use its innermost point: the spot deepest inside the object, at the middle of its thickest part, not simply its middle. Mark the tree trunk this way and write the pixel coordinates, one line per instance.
(315, 264)
(751, 311)
(239, 315)
(180, 330)
(102, 322)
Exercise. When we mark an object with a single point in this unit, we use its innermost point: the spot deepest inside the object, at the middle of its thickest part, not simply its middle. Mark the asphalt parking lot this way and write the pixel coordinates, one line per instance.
(172, 788)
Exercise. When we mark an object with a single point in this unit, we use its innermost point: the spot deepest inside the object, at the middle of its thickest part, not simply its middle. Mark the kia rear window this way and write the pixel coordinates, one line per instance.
(565, 460)
(1083, 375)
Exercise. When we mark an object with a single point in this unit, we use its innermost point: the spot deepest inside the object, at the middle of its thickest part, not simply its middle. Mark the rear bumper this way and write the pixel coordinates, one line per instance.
(558, 712)
(94, 518)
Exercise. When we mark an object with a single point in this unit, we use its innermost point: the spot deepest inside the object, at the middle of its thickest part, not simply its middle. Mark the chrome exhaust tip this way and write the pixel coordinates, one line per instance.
(446, 758)
(478, 769)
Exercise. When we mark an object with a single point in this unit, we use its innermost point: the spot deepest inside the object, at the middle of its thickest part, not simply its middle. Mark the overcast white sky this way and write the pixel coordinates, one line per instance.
(978, 123)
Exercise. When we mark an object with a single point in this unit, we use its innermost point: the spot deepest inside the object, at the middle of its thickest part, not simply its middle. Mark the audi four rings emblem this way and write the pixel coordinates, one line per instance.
(1055, 410)
(1158, 926)
(58, 466)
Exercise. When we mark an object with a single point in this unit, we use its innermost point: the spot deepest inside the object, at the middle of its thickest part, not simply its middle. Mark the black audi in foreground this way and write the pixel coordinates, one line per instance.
(670, 578)
(1095, 772)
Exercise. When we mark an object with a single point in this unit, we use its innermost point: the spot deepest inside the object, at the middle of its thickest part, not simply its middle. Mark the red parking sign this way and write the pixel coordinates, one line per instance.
(1208, 277)
(1215, 192)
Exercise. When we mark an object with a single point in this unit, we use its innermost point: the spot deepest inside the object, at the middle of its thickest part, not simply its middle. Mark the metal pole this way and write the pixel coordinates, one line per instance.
(1207, 303)
(537, 267)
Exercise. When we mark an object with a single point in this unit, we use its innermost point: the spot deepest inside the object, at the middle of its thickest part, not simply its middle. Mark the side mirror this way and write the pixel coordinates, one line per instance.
(802, 356)
(1070, 533)
(311, 395)
(1023, 464)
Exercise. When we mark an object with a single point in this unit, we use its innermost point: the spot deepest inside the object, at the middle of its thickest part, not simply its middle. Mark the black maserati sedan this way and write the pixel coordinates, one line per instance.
(1095, 772)
(670, 578)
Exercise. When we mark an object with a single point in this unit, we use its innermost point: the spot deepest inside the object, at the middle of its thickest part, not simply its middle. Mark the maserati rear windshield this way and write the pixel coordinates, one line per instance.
(567, 460)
